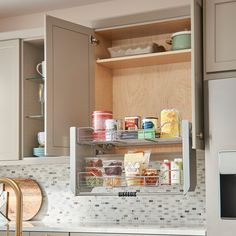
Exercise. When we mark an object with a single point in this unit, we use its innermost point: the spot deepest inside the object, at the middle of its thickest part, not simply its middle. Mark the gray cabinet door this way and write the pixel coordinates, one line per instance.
(220, 35)
(197, 74)
(5, 233)
(9, 99)
(48, 234)
(69, 82)
(108, 234)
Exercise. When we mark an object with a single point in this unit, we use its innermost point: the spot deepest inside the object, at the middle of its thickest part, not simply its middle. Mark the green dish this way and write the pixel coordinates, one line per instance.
(181, 40)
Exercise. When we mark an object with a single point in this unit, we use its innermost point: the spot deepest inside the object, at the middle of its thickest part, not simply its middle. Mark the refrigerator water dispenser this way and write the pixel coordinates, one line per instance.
(227, 172)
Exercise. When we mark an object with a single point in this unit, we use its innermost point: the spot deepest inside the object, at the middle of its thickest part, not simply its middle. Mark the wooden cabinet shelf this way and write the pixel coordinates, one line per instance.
(147, 59)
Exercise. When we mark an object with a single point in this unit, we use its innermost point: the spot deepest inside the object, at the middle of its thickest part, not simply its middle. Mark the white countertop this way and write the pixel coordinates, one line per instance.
(111, 228)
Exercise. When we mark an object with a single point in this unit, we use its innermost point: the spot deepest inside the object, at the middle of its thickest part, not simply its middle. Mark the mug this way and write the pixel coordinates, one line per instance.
(41, 138)
(41, 69)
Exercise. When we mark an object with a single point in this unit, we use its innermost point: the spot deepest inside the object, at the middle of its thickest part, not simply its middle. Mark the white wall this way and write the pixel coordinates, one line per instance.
(93, 15)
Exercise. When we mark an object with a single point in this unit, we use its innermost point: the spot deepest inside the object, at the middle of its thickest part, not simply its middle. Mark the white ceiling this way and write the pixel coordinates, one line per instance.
(10, 8)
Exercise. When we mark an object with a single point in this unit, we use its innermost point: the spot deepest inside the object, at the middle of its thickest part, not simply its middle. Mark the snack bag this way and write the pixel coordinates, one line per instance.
(170, 123)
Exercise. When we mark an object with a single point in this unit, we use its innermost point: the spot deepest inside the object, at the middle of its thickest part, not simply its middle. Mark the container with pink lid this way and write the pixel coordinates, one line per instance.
(98, 120)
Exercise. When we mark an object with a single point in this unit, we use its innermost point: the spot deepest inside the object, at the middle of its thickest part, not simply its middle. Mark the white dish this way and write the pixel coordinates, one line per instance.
(135, 49)
(41, 138)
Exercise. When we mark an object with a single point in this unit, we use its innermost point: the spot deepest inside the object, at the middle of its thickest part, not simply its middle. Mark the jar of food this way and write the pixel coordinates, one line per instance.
(150, 123)
(98, 121)
(165, 172)
(132, 122)
(176, 167)
(111, 129)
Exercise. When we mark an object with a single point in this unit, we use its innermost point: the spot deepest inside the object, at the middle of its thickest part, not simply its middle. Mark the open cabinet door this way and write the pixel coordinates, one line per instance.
(68, 83)
(197, 74)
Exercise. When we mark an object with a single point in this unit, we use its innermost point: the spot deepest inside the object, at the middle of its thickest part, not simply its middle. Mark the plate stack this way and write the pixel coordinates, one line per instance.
(39, 152)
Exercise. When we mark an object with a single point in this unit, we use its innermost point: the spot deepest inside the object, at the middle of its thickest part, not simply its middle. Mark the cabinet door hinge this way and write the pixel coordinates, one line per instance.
(93, 40)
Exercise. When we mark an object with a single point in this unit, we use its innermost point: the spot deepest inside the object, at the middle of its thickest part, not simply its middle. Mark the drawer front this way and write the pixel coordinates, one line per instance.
(4, 233)
(48, 234)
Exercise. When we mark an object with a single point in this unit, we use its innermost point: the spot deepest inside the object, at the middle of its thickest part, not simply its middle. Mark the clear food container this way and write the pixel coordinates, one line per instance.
(113, 167)
(93, 162)
(93, 181)
(93, 177)
(150, 176)
(93, 171)
(111, 181)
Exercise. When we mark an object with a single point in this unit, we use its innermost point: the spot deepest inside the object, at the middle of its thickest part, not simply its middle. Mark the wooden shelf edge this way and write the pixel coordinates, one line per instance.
(146, 59)
(38, 161)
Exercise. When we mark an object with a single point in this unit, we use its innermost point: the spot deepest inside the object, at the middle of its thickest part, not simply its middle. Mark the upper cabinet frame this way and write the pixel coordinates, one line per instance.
(220, 35)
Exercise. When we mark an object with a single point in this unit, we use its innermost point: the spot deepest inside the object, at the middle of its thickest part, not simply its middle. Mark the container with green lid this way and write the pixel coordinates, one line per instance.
(180, 40)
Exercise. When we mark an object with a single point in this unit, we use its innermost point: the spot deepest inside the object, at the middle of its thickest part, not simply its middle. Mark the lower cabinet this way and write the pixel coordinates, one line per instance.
(4, 233)
(95, 234)
(48, 234)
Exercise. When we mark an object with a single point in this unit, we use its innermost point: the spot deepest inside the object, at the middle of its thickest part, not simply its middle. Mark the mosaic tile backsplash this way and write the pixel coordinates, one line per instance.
(59, 204)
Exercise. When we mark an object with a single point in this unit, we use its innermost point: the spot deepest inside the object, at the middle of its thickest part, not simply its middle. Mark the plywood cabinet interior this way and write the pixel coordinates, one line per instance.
(143, 90)
(145, 84)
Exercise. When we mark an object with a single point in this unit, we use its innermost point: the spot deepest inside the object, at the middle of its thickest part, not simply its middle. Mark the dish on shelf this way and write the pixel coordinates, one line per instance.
(38, 152)
(135, 49)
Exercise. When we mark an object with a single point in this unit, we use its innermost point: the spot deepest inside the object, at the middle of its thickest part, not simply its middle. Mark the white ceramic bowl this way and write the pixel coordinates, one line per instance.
(41, 138)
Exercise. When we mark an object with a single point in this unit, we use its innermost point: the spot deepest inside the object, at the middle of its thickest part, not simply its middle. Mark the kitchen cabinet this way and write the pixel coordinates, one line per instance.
(81, 77)
(147, 83)
(220, 35)
(66, 50)
(4, 233)
(171, 79)
(9, 97)
(48, 234)
(100, 234)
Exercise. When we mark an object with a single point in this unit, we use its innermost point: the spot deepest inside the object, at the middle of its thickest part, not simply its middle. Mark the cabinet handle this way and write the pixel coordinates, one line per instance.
(200, 136)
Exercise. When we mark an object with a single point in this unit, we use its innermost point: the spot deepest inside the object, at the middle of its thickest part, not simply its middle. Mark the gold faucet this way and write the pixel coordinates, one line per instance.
(18, 194)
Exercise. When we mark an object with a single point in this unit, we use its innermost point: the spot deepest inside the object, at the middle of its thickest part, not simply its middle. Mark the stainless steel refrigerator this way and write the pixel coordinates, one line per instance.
(220, 126)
